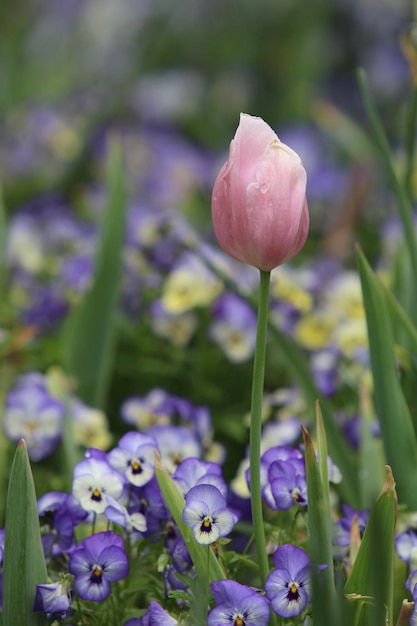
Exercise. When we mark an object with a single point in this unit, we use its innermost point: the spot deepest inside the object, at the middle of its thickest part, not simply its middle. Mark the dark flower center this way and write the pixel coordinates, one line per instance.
(96, 574)
(293, 595)
(136, 466)
(206, 525)
(96, 494)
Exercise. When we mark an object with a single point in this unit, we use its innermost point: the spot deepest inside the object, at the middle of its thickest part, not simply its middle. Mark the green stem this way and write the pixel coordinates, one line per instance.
(256, 425)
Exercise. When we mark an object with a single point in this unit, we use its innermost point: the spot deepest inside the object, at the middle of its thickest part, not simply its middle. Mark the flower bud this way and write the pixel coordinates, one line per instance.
(259, 206)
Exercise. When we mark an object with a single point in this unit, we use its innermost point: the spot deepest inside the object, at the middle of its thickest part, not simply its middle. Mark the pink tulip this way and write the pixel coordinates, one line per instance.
(259, 206)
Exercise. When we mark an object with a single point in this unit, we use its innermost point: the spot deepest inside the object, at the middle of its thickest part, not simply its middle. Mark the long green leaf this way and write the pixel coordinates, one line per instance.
(90, 334)
(403, 201)
(394, 417)
(320, 529)
(400, 320)
(24, 562)
(371, 453)
(370, 583)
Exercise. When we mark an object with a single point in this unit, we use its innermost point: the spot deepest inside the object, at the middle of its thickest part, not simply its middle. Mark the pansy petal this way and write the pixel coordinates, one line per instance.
(94, 591)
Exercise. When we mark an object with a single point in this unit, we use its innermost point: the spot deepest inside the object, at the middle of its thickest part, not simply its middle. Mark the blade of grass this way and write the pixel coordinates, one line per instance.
(89, 337)
(404, 204)
(400, 319)
(372, 572)
(24, 562)
(371, 453)
(395, 420)
(320, 529)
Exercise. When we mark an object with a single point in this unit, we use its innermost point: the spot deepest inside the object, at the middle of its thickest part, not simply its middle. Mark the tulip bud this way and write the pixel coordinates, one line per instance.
(259, 206)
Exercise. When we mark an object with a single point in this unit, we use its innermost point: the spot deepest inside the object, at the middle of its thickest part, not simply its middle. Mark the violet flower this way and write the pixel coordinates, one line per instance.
(117, 513)
(100, 560)
(234, 327)
(192, 471)
(237, 605)
(288, 586)
(207, 514)
(94, 479)
(134, 457)
(54, 598)
(154, 616)
(288, 484)
(33, 414)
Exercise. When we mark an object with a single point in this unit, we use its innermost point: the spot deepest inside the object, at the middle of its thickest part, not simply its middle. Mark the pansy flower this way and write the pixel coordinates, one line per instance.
(54, 598)
(237, 605)
(288, 484)
(94, 479)
(134, 457)
(207, 514)
(100, 560)
(154, 616)
(288, 586)
(192, 471)
(117, 513)
(33, 414)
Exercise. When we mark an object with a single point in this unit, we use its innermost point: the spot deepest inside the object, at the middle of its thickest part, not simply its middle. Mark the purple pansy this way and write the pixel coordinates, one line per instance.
(288, 586)
(134, 457)
(175, 443)
(234, 327)
(288, 484)
(287, 456)
(33, 414)
(59, 513)
(237, 604)
(192, 471)
(94, 479)
(54, 598)
(207, 514)
(117, 513)
(341, 536)
(154, 616)
(100, 560)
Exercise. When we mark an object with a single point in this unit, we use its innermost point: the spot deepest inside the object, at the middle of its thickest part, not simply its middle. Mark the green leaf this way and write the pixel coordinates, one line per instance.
(371, 453)
(394, 417)
(24, 562)
(320, 528)
(207, 566)
(400, 320)
(343, 130)
(371, 578)
(89, 337)
(403, 201)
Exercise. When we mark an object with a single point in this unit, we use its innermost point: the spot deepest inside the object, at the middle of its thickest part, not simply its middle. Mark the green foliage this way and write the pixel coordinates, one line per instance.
(320, 528)
(369, 587)
(391, 407)
(89, 341)
(24, 562)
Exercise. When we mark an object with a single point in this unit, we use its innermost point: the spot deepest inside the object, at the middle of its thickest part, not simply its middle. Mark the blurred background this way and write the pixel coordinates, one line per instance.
(72, 68)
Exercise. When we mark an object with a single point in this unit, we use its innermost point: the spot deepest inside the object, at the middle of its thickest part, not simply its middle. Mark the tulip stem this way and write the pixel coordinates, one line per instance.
(256, 425)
